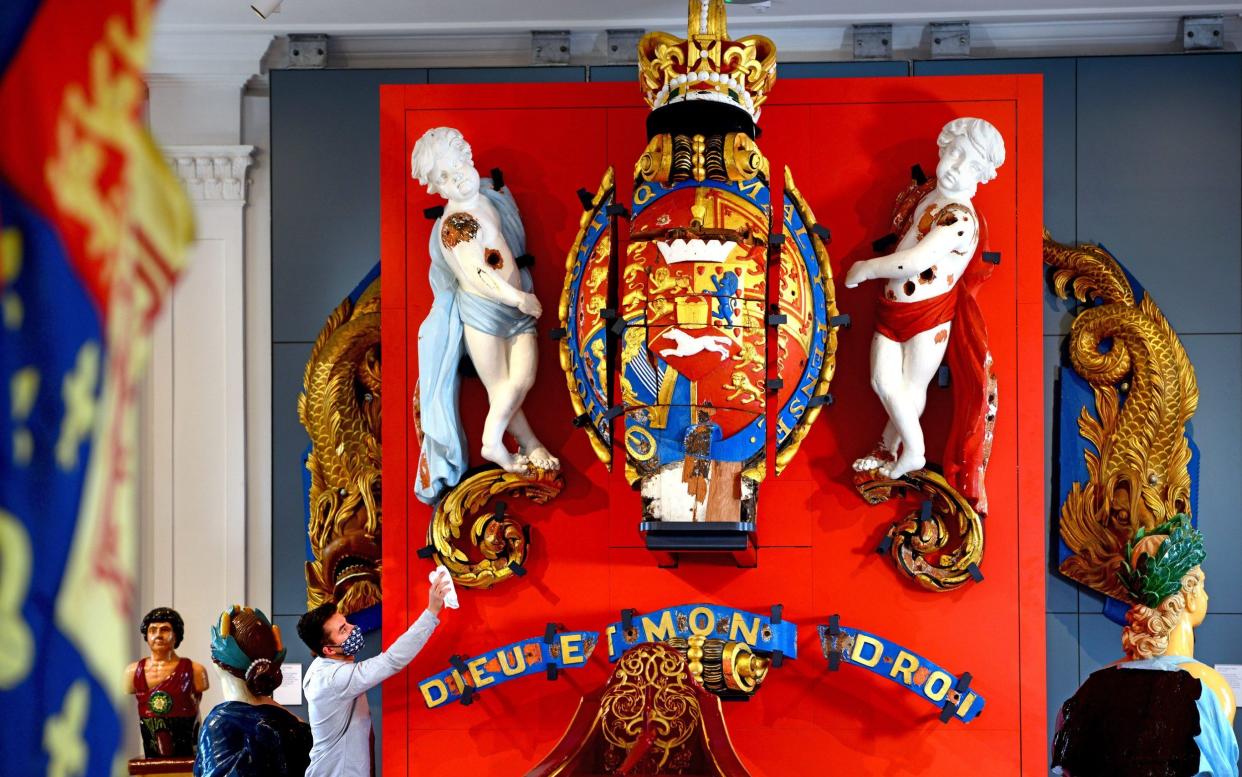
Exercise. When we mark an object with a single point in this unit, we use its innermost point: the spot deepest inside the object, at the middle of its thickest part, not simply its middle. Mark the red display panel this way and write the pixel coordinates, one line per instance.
(850, 144)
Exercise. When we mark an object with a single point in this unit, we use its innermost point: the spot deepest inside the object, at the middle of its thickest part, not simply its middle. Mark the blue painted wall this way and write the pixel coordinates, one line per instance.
(1143, 154)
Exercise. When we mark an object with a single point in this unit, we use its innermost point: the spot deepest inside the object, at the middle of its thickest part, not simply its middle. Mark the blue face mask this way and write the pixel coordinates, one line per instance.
(353, 643)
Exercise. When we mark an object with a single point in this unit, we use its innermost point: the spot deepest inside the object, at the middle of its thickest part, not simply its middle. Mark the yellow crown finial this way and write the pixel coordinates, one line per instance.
(707, 17)
(707, 64)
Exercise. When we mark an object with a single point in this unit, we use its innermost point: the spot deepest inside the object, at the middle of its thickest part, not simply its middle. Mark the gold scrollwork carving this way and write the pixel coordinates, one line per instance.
(651, 691)
(1138, 472)
(499, 540)
(937, 552)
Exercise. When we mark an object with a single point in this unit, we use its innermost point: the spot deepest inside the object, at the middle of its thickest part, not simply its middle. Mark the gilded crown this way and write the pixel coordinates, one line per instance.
(706, 65)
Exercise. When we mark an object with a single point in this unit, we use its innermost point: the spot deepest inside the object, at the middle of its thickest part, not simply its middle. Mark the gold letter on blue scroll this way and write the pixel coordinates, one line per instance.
(905, 668)
(567, 650)
(704, 620)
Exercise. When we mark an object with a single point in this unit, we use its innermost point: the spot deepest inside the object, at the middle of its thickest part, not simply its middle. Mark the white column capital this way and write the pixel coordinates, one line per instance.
(212, 173)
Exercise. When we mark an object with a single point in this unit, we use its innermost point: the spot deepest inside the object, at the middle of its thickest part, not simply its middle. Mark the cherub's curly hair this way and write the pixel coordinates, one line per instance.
(1147, 630)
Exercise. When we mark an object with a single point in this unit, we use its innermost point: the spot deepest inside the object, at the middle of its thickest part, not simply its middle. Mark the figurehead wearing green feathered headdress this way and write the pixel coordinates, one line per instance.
(246, 645)
(1157, 559)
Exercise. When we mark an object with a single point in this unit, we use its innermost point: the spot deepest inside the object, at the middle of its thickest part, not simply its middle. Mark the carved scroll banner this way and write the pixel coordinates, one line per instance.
(537, 655)
(904, 667)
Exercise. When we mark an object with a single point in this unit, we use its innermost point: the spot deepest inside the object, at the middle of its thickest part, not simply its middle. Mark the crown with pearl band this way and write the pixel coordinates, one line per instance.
(706, 65)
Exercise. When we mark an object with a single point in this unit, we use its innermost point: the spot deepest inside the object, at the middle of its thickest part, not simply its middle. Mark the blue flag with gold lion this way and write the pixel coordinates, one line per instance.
(93, 232)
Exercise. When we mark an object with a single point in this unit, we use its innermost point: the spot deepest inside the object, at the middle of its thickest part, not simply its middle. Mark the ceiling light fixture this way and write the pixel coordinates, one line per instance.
(265, 8)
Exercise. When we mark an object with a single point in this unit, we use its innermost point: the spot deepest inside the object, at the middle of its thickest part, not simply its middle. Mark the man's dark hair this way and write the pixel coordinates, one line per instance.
(165, 615)
(310, 627)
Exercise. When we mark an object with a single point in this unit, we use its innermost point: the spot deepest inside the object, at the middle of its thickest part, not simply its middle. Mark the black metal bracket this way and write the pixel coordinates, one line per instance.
(841, 320)
(627, 619)
(427, 551)
(834, 653)
(886, 544)
(557, 334)
(820, 399)
(525, 260)
(498, 179)
(992, 257)
(434, 212)
(882, 245)
(822, 232)
(587, 199)
(617, 210)
(949, 710)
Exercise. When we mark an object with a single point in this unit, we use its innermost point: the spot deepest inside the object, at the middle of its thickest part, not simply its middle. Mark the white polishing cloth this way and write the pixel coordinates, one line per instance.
(450, 600)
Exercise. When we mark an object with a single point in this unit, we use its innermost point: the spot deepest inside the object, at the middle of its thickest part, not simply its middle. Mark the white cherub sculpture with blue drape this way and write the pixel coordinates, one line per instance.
(484, 304)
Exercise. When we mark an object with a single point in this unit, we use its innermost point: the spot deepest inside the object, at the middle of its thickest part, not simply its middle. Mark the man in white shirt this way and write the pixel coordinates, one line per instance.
(336, 685)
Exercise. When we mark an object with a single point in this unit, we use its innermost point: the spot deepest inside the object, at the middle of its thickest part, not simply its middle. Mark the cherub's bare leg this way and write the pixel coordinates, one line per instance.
(922, 355)
(523, 358)
(490, 356)
(886, 381)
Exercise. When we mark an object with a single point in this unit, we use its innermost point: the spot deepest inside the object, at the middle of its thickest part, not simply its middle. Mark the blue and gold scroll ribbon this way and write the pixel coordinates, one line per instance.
(705, 620)
(566, 650)
(905, 668)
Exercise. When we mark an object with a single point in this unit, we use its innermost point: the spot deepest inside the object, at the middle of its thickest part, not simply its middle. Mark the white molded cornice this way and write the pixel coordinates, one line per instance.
(821, 42)
(206, 58)
(212, 173)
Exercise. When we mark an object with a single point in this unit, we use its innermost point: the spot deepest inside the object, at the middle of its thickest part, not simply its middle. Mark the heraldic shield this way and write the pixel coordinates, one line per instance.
(714, 321)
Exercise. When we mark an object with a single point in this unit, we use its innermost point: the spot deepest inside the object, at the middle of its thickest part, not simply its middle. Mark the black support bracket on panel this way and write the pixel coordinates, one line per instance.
(498, 179)
(992, 257)
(820, 399)
(434, 212)
(885, 244)
(627, 619)
(822, 232)
(834, 652)
(587, 199)
(886, 544)
(949, 709)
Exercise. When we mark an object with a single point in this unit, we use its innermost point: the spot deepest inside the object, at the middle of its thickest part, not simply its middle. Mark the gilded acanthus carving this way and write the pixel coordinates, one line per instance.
(1145, 394)
(340, 408)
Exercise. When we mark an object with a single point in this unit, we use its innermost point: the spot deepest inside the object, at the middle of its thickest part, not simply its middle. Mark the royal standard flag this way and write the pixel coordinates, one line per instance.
(93, 231)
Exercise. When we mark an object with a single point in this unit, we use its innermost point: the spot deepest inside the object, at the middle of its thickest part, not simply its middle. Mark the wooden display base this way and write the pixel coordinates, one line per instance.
(167, 767)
